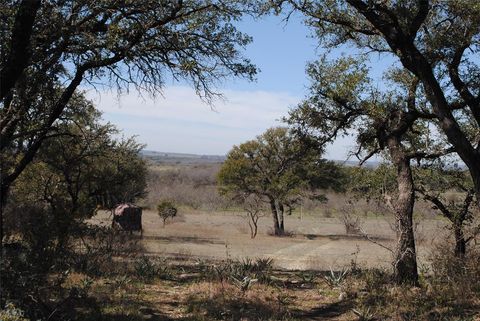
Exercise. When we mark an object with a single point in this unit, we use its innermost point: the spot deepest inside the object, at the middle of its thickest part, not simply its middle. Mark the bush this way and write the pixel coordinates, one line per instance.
(34, 277)
(349, 218)
(166, 210)
(98, 247)
(449, 290)
(259, 269)
(147, 269)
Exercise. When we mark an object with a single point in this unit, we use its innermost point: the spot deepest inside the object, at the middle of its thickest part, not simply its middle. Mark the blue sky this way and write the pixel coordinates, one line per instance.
(180, 122)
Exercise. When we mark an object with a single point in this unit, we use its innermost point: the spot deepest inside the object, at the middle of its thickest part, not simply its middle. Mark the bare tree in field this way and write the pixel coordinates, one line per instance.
(166, 210)
(254, 208)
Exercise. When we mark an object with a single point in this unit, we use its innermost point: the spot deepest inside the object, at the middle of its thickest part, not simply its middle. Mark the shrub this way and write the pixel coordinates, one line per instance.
(97, 248)
(351, 221)
(259, 269)
(336, 279)
(11, 313)
(450, 290)
(166, 209)
(147, 269)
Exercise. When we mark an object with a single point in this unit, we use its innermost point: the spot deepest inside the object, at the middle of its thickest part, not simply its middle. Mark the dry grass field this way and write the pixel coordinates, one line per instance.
(198, 266)
(192, 269)
(315, 243)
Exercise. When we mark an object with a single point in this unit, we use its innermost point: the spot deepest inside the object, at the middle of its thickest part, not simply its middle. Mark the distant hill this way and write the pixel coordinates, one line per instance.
(180, 158)
(350, 163)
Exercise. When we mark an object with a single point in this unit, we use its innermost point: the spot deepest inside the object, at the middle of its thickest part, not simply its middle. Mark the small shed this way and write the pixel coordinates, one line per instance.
(128, 216)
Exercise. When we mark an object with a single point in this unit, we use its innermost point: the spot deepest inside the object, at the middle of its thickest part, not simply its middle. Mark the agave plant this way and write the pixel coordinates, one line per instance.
(336, 279)
(364, 314)
(244, 284)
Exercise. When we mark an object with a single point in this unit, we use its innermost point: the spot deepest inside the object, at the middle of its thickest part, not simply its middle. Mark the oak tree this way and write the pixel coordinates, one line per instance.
(278, 168)
(79, 169)
(343, 101)
(437, 41)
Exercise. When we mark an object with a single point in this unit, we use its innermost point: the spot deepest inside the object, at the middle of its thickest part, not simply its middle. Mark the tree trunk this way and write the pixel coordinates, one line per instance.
(448, 123)
(475, 173)
(253, 224)
(281, 215)
(405, 264)
(460, 243)
(19, 53)
(3, 203)
(276, 225)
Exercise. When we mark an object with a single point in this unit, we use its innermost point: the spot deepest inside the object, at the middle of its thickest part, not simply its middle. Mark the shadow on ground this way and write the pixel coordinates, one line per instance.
(326, 312)
(182, 239)
(355, 237)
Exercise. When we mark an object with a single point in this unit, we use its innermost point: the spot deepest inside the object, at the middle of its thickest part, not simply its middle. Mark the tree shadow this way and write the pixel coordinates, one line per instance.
(183, 239)
(326, 312)
(227, 307)
(337, 237)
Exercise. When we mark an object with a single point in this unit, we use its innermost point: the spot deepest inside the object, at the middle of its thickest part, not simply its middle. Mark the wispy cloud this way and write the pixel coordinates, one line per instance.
(179, 121)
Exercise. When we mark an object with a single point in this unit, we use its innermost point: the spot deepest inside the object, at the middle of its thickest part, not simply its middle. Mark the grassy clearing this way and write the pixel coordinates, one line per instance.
(200, 290)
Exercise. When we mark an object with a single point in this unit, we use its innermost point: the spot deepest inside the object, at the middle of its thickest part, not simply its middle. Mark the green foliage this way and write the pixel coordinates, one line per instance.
(433, 46)
(278, 168)
(371, 183)
(145, 268)
(100, 246)
(240, 272)
(364, 314)
(76, 170)
(307, 277)
(84, 166)
(50, 49)
(278, 165)
(120, 175)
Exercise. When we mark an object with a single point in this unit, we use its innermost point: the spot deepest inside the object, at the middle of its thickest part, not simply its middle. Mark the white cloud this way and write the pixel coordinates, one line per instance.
(181, 122)
(239, 109)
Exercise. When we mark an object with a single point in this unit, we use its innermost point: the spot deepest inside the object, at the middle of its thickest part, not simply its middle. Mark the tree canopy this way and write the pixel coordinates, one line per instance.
(280, 169)
(50, 48)
(80, 169)
(426, 87)
(56, 46)
(437, 42)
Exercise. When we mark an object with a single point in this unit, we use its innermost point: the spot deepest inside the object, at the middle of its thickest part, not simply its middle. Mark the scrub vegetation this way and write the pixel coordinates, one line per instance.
(274, 231)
